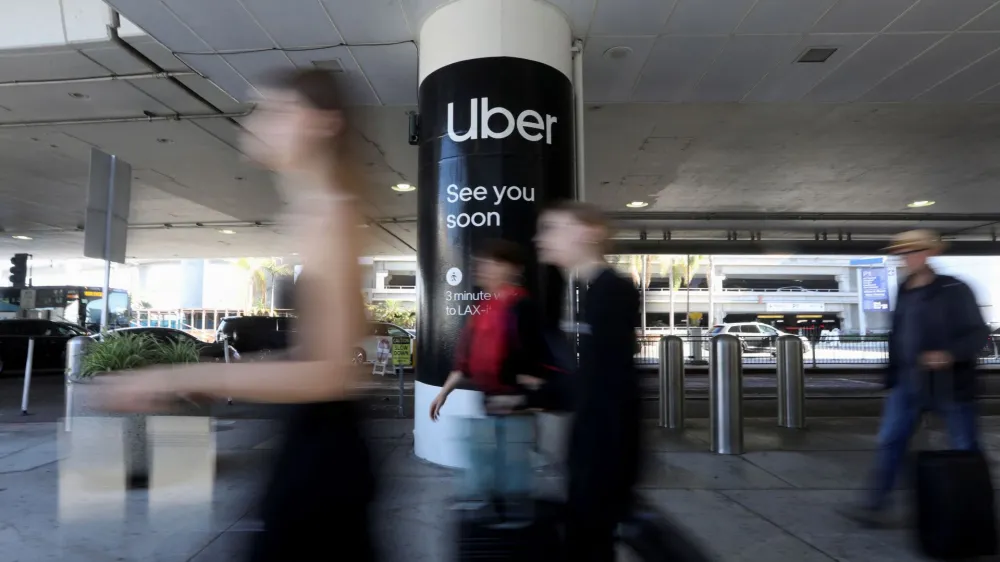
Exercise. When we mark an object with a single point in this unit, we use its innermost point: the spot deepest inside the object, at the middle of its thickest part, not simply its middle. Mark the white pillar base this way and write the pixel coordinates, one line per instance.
(443, 442)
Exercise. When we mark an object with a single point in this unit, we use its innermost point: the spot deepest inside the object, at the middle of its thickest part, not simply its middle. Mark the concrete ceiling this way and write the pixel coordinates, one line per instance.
(904, 110)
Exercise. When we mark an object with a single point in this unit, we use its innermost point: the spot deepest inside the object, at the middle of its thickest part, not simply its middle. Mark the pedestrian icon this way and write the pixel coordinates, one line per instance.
(454, 276)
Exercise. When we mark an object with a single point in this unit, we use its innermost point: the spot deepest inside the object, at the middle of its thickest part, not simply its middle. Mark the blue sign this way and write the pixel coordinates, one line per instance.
(875, 289)
(867, 261)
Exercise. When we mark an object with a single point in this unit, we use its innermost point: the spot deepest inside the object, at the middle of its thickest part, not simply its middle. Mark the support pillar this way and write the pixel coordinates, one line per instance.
(496, 145)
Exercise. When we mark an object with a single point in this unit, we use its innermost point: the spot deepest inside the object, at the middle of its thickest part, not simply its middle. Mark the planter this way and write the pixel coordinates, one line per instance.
(84, 401)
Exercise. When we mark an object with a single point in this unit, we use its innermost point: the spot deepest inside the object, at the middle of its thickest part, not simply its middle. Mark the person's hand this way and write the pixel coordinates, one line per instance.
(140, 392)
(936, 360)
(436, 405)
(528, 381)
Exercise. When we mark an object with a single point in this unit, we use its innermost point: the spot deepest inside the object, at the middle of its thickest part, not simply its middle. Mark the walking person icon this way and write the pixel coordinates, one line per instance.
(454, 276)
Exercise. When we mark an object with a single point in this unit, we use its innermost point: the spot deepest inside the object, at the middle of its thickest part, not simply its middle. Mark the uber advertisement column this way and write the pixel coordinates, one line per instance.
(496, 146)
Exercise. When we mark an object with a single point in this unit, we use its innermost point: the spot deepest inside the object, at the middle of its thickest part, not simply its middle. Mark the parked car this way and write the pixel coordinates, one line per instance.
(50, 344)
(250, 334)
(208, 351)
(757, 337)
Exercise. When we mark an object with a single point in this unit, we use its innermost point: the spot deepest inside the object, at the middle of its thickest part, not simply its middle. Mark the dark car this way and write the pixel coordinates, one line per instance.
(50, 344)
(250, 334)
(209, 351)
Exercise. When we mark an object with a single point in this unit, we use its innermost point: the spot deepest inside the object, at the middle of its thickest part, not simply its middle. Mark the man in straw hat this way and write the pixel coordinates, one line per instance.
(937, 332)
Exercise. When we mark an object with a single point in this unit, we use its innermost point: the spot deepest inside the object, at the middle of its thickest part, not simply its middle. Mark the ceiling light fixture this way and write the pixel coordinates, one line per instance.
(227, 231)
(164, 141)
(403, 188)
(617, 53)
(919, 204)
(637, 205)
(21, 237)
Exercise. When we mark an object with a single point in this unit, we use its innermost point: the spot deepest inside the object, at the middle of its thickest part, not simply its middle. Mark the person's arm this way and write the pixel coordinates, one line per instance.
(970, 331)
(455, 378)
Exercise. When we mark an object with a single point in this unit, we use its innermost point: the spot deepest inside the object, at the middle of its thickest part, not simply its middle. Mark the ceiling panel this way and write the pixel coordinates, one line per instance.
(294, 23)
(371, 21)
(794, 80)
(968, 83)
(223, 74)
(118, 61)
(745, 60)
(870, 65)
(785, 16)
(580, 13)
(989, 21)
(257, 68)
(989, 96)
(861, 16)
(223, 24)
(631, 17)
(47, 65)
(707, 17)
(392, 71)
(940, 15)
(934, 66)
(356, 89)
(55, 102)
(612, 80)
(674, 67)
(155, 19)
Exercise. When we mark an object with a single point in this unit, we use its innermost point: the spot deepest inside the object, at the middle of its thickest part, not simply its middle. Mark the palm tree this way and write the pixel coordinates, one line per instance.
(261, 272)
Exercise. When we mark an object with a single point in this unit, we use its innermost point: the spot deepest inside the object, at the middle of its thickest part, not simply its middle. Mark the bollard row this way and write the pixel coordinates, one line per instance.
(726, 388)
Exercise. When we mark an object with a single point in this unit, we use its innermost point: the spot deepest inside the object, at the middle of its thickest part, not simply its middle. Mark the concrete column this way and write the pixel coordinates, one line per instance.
(496, 144)
(192, 287)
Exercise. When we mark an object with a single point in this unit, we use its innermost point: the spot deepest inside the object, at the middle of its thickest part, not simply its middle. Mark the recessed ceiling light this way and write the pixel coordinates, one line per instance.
(79, 96)
(164, 141)
(918, 204)
(227, 231)
(364, 225)
(637, 205)
(295, 253)
(817, 54)
(403, 187)
(619, 52)
(21, 237)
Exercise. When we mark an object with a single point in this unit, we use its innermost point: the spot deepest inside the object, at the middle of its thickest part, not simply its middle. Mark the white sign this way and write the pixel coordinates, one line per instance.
(27, 299)
(796, 307)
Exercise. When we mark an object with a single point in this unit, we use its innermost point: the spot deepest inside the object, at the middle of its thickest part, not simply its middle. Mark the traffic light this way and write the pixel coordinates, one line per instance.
(18, 270)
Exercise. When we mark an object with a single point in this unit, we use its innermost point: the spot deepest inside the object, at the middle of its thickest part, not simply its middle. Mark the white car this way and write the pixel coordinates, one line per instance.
(368, 348)
(756, 337)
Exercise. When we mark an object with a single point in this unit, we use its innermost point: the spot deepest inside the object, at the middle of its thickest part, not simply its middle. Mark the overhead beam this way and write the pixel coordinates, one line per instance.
(652, 216)
(803, 247)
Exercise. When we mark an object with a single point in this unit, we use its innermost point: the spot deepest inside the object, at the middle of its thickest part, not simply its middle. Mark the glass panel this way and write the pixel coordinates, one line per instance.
(749, 329)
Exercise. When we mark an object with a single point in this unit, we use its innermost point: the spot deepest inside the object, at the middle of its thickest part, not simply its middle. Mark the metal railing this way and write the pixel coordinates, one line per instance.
(201, 323)
(820, 352)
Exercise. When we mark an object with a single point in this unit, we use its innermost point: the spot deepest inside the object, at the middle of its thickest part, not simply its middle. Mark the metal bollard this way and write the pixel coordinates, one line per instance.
(791, 383)
(225, 354)
(726, 395)
(399, 407)
(76, 348)
(27, 376)
(672, 382)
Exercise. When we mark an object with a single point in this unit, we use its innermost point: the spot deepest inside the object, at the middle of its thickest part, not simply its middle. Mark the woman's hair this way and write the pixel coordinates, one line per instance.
(502, 251)
(317, 87)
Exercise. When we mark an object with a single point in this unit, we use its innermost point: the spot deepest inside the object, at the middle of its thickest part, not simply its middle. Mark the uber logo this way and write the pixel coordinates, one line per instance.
(529, 123)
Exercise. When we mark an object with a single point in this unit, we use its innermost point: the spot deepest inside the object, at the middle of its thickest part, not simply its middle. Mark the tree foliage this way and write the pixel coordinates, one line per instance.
(394, 313)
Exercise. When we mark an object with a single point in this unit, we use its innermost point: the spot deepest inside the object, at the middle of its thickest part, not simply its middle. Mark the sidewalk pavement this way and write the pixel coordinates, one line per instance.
(776, 503)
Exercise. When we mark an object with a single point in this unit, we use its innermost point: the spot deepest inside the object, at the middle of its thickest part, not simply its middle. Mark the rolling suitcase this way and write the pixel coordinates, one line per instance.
(955, 505)
(955, 512)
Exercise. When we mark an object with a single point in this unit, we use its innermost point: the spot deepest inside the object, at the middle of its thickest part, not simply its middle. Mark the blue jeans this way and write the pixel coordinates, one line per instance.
(903, 409)
(499, 456)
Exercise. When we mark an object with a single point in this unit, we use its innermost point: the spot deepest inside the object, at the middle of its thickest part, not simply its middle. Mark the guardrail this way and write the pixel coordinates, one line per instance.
(817, 353)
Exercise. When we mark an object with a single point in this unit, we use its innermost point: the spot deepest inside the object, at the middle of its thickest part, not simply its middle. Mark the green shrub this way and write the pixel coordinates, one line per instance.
(126, 352)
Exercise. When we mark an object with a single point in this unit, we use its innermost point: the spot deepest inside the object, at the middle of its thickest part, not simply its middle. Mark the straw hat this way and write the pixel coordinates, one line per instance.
(915, 241)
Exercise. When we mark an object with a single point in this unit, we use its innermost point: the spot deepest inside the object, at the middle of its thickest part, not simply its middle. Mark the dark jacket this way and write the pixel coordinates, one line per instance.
(953, 318)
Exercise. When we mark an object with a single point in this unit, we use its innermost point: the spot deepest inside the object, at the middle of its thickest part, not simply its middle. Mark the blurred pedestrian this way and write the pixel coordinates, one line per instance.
(317, 504)
(937, 333)
(603, 460)
(498, 350)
